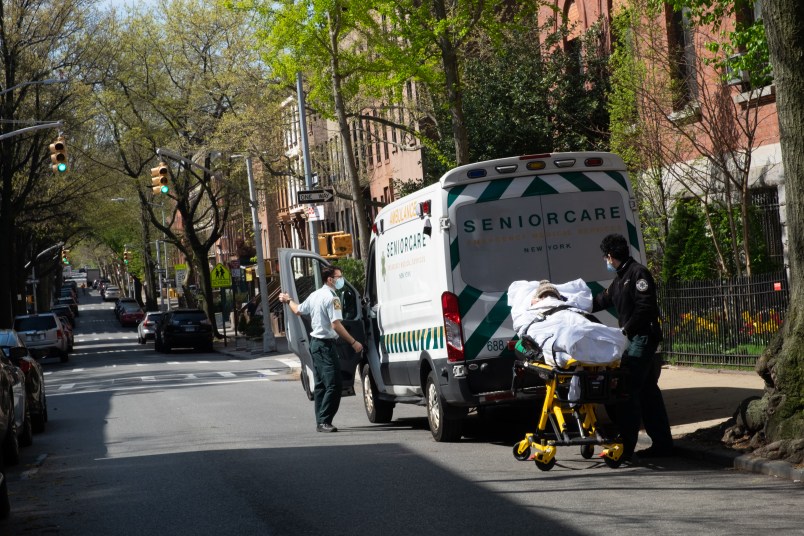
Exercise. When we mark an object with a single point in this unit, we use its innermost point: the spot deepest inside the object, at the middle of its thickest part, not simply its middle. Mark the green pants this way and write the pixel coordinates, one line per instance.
(328, 380)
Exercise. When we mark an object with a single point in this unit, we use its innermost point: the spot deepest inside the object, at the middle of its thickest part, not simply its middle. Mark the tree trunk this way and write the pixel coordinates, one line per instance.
(449, 59)
(782, 364)
(346, 140)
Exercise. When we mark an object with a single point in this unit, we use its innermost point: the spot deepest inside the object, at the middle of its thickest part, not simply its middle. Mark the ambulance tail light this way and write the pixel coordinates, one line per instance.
(453, 330)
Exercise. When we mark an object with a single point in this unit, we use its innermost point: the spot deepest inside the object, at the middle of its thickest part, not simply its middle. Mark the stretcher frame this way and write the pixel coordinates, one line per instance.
(597, 384)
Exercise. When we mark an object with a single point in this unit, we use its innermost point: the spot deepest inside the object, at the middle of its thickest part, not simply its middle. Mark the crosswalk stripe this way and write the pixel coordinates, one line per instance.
(227, 374)
(267, 372)
(66, 386)
(148, 379)
(292, 363)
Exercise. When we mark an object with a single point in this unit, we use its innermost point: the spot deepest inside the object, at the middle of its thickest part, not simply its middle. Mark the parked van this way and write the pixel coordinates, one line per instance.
(434, 317)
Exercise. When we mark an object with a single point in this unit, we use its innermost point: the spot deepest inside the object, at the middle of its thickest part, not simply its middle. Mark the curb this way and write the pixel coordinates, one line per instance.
(741, 462)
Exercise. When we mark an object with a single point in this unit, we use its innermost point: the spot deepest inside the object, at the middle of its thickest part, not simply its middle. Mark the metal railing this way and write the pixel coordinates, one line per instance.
(725, 323)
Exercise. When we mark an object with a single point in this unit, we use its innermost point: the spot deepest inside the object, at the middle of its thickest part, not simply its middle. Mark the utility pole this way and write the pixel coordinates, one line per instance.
(268, 339)
(308, 176)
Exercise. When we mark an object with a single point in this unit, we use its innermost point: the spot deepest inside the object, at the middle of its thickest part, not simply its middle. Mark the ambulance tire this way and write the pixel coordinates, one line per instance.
(305, 381)
(446, 422)
(378, 411)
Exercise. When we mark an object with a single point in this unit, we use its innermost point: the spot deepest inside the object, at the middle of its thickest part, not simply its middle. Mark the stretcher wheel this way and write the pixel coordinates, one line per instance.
(587, 451)
(614, 464)
(545, 466)
(521, 456)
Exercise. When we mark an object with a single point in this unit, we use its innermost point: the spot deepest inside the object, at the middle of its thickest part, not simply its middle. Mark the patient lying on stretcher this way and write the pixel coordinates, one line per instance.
(557, 318)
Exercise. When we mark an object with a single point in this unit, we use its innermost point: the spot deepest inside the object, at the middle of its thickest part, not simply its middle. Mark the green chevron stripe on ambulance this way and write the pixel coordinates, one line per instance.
(530, 228)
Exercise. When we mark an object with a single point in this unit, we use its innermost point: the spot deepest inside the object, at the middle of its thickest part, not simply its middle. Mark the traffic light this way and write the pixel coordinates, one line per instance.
(64, 256)
(125, 256)
(159, 181)
(58, 155)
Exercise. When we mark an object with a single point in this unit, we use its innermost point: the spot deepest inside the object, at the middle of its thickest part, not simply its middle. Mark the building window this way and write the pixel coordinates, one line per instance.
(681, 55)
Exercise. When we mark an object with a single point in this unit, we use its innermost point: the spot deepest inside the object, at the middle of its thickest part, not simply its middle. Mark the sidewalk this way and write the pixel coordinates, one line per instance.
(695, 399)
(701, 398)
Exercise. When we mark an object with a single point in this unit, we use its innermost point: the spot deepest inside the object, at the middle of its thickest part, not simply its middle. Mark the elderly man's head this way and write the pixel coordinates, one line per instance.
(545, 290)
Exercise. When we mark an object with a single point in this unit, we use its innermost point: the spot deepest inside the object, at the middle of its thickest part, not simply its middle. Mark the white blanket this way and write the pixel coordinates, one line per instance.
(564, 334)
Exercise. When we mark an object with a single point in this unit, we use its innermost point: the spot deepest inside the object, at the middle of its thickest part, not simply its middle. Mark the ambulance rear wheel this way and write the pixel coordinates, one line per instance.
(446, 422)
(587, 451)
(377, 411)
(545, 466)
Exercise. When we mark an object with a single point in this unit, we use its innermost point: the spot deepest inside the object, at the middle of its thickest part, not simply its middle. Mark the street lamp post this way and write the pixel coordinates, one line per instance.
(268, 340)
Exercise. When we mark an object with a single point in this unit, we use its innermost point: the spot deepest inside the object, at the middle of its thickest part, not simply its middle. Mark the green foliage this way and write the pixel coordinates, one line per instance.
(354, 271)
(743, 48)
(689, 254)
(523, 95)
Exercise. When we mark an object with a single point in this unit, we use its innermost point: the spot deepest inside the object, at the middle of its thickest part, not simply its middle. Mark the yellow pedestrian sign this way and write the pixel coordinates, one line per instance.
(221, 276)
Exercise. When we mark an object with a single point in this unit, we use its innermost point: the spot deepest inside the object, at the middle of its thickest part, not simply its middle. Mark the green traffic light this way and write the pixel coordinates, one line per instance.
(164, 189)
(62, 167)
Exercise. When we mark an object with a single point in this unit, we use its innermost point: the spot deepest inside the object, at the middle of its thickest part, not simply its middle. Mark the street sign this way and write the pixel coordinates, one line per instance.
(161, 271)
(325, 195)
(221, 276)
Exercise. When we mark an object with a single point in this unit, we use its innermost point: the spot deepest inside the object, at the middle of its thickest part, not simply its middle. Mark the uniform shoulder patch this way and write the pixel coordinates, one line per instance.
(642, 285)
(336, 303)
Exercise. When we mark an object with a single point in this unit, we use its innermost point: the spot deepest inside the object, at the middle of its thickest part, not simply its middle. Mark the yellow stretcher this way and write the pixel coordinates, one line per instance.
(571, 395)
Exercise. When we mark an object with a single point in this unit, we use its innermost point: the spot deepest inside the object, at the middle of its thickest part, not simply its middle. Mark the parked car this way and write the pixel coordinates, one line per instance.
(110, 292)
(183, 328)
(69, 332)
(130, 314)
(118, 304)
(147, 328)
(13, 347)
(66, 300)
(68, 291)
(21, 431)
(43, 334)
(65, 311)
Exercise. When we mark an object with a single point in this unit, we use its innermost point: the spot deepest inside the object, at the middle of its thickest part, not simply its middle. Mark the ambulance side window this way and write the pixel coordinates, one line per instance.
(306, 276)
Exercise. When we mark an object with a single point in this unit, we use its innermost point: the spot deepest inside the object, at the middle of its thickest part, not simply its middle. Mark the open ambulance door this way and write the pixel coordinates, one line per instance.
(300, 276)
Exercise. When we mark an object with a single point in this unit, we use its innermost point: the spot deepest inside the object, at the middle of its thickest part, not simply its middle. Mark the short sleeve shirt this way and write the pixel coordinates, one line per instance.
(324, 307)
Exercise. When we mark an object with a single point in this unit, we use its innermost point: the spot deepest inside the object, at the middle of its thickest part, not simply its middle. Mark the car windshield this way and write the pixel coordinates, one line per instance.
(130, 307)
(189, 316)
(154, 317)
(35, 323)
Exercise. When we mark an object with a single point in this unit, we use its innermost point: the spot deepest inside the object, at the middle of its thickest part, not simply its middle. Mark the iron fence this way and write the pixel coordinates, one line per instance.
(725, 323)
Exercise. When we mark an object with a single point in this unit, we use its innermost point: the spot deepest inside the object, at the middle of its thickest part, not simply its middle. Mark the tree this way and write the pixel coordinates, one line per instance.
(172, 82)
(776, 422)
(679, 125)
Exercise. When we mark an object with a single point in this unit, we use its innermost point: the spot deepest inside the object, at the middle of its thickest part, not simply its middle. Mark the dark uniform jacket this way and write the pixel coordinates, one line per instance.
(633, 294)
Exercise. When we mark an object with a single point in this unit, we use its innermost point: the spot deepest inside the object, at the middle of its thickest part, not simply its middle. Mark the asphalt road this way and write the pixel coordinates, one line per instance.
(194, 444)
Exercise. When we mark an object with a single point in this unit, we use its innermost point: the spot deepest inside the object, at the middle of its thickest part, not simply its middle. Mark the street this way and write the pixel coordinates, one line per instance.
(185, 443)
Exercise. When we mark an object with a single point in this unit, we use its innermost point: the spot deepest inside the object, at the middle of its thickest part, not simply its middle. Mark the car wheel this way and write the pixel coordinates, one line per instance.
(377, 411)
(38, 420)
(64, 357)
(140, 340)
(446, 422)
(158, 344)
(5, 505)
(11, 446)
(26, 436)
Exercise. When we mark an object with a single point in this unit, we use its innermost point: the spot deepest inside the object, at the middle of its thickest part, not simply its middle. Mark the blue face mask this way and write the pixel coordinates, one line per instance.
(610, 267)
(339, 282)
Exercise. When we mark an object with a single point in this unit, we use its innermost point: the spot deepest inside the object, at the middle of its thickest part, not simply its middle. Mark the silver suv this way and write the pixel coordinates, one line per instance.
(44, 335)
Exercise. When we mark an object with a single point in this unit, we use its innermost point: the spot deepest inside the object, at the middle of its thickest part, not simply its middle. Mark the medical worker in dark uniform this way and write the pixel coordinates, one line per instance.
(324, 309)
(633, 295)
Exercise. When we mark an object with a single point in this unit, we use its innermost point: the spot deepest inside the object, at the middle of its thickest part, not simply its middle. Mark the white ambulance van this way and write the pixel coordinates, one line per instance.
(434, 317)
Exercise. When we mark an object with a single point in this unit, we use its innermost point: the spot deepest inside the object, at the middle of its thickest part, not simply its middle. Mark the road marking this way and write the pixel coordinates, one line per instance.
(77, 370)
(227, 374)
(172, 362)
(148, 378)
(292, 363)
(191, 377)
(267, 372)
(66, 386)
